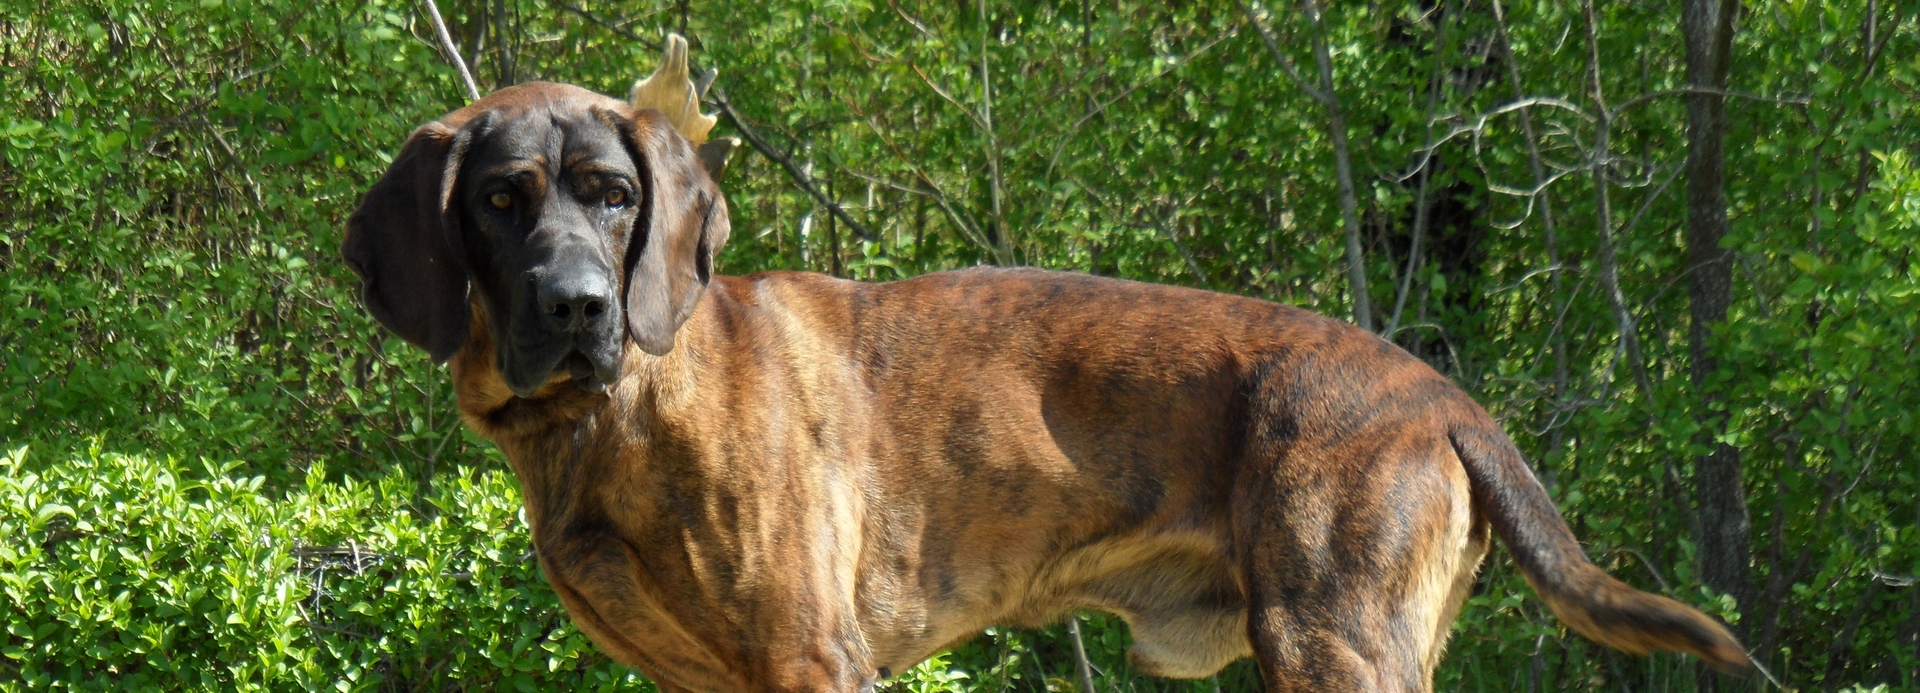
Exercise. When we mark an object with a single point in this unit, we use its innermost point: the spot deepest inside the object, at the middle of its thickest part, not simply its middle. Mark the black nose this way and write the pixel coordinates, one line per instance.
(575, 303)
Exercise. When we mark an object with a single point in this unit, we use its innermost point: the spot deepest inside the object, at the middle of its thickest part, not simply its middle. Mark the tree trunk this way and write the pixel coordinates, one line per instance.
(1725, 547)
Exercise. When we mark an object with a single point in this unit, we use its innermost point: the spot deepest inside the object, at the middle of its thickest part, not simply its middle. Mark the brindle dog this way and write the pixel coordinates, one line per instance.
(790, 482)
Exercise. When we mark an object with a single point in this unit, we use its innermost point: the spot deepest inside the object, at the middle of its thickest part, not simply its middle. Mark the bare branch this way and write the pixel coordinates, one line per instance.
(610, 26)
(1174, 64)
(1324, 92)
(932, 190)
(1788, 100)
(917, 24)
(1535, 190)
(1648, 204)
(1893, 580)
(453, 51)
(1652, 569)
(800, 177)
(1279, 56)
(1603, 212)
(1343, 172)
(943, 94)
(1080, 655)
(1166, 227)
(1479, 125)
(939, 197)
(1420, 211)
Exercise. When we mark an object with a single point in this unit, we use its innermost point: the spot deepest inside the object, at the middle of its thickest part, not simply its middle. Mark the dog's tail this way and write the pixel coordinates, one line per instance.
(1592, 602)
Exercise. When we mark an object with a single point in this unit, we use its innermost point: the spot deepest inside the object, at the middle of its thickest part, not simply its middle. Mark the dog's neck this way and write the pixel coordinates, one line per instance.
(648, 385)
(557, 441)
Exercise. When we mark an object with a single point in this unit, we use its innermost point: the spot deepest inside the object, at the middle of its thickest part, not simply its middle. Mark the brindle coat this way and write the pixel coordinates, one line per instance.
(796, 483)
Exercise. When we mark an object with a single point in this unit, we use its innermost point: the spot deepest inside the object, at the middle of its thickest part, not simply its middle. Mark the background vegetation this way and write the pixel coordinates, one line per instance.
(221, 474)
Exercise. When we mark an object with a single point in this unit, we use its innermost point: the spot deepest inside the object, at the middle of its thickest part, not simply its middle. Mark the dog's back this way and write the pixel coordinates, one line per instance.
(1039, 442)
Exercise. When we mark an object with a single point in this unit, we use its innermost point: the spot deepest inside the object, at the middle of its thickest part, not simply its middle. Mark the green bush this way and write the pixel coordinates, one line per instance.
(126, 572)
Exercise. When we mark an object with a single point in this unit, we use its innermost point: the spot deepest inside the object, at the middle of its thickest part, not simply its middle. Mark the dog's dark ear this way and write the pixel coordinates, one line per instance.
(684, 223)
(404, 243)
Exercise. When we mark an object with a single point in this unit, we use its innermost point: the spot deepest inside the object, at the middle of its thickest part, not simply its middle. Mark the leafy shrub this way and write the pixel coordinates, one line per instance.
(126, 572)
(129, 572)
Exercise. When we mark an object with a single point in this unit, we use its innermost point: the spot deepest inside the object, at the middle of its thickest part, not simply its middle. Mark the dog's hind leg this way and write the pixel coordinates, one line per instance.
(1356, 558)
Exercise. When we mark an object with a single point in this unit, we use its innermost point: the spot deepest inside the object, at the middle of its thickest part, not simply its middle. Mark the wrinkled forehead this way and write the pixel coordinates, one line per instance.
(552, 129)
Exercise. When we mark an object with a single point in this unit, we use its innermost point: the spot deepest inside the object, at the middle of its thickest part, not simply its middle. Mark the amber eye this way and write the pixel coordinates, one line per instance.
(500, 200)
(616, 197)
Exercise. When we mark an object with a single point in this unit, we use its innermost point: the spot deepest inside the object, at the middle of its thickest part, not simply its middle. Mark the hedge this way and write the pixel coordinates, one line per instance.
(128, 572)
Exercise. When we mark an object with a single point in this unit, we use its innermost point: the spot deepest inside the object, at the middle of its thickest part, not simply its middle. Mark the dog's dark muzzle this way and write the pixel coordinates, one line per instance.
(567, 320)
(573, 302)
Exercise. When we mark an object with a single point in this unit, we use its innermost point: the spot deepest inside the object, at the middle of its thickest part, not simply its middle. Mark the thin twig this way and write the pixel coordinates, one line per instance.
(1279, 56)
(1536, 189)
(944, 95)
(931, 191)
(610, 26)
(1421, 214)
(1002, 236)
(915, 21)
(1651, 570)
(1097, 109)
(1762, 668)
(1893, 580)
(1788, 100)
(1080, 655)
(800, 177)
(1609, 259)
(453, 51)
(1167, 228)
(1479, 125)
(1648, 203)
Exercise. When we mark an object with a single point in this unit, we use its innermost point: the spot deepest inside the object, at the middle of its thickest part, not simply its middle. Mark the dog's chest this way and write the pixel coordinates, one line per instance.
(683, 566)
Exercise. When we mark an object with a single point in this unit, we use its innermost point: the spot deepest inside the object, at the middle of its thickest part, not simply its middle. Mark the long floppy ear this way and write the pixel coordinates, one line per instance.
(669, 258)
(404, 243)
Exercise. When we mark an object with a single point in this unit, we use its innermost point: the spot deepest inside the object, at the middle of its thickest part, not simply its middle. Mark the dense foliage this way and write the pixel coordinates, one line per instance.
(222, 474)
(159, 574)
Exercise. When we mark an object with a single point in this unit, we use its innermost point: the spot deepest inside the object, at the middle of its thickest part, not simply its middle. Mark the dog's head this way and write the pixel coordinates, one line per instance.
(573, 221)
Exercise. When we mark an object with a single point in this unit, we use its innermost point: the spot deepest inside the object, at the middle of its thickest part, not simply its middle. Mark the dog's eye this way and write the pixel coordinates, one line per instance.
(500, 200)
(616, 197)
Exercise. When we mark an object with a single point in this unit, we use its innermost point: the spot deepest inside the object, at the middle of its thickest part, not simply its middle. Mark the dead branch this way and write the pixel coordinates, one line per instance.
(800, 177)
(1609, 260)
(453, 51)
(1061, 144)
(1342, 160)
(1279, 56)
(1420, 210)
(1080, 655)
(610, 26)
(932, 190)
